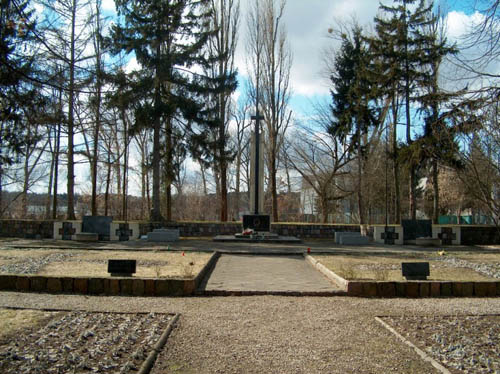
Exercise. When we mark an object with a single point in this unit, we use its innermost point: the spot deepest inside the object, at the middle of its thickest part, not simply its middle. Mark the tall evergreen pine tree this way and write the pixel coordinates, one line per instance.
(167, 37)
(401, 45)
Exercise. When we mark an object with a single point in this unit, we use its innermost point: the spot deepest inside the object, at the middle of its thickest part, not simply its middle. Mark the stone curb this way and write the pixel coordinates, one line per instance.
(421, 353)
(147, 365)
(327, 272)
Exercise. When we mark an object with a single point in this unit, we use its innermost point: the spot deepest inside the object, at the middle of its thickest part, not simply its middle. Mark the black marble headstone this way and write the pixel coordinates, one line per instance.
(416, 228)
(257, 222)
(100, 225)
(415, 270)
(122, 267)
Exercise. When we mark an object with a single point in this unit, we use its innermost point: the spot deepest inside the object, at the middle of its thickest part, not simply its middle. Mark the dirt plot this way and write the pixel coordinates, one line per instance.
(94, 263)
(388, 267)
(464, 344)
(78, 342)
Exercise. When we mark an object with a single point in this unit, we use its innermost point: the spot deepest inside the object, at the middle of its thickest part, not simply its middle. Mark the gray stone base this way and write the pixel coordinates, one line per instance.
(87, 237)
(256, 239)
(354, 240)
(163, 235)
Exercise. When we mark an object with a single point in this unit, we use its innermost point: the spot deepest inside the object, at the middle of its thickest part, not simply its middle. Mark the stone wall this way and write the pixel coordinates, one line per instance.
(480, 235)
(470, 235)
(301, 230)
(27, 229)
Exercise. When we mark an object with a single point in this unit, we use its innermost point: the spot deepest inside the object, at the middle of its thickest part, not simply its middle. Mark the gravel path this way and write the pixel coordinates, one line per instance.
(277, 334)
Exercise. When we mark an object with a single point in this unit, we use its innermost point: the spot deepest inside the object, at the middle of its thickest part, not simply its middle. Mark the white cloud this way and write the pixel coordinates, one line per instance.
(108, 5)
(132, 65)
(459, 24)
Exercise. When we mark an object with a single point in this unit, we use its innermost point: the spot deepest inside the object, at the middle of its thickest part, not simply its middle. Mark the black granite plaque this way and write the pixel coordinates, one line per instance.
(257, 222)
(415, 270)
(122, 267)
(100, 225)
(416, 228)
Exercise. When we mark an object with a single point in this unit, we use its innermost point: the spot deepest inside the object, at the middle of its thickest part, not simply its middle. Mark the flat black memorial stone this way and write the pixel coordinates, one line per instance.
(416, 228)
(121, 267)
(257, 222)
(415, 270)
(100, 225)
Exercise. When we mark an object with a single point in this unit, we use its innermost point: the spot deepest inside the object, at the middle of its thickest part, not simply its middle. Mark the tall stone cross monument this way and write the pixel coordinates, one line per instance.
(257, 220)
(257, 169)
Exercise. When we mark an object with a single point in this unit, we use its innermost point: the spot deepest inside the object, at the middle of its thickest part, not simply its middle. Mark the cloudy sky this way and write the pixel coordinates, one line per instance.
(307, 23)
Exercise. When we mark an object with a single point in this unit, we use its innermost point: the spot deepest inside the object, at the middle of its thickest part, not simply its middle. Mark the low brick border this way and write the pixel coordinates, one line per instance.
(106, 286)
(420, 289)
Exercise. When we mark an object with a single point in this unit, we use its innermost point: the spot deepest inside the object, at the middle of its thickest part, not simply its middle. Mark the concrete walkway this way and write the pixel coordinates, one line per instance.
(270, 274)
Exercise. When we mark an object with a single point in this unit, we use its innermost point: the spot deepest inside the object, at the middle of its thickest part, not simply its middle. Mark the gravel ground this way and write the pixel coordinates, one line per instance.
(280, 334)
(32, 265)
(81, 342)
(464, 344)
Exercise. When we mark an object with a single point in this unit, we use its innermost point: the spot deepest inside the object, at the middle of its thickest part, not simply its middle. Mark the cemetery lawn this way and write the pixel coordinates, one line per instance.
(388, 267)
(89, 263)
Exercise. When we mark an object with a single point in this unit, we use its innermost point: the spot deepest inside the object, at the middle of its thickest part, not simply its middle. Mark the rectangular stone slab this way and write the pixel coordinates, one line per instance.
(100, 225)
(415, 270)
(121, 266)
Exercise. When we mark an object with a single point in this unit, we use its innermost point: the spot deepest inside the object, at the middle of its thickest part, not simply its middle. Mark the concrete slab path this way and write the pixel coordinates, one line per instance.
(266, 274)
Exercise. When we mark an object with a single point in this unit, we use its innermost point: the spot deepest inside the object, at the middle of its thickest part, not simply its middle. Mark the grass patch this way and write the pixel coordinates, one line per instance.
(11, 321)
(149, 264)
(388, 268)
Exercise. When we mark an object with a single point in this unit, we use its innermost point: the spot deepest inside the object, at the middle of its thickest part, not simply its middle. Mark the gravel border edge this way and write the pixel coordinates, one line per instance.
(421, 353)
(147, 365)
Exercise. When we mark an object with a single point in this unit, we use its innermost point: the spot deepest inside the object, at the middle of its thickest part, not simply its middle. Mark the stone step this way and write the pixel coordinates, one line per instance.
(163, 235)
(354, 240)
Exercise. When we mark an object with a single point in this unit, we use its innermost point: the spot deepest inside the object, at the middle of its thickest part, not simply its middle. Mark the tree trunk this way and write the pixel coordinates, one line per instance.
(71, 165)
(397, 192)
(56, 166)
(169, 171)
(274, 188)
(125, 168)
(108, 184)
(51, 178)
(361, 208)
(435, 187)
(324, 210)
(97, 124)
(237, 187)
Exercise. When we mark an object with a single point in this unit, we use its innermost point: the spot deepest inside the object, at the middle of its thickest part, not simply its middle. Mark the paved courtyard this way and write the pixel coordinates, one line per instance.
(267, 273)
